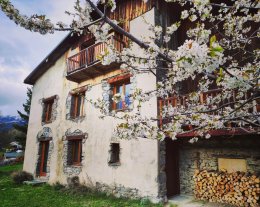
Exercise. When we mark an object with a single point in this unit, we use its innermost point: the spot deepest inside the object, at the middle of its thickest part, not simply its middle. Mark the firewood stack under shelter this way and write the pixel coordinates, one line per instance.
(237, 188)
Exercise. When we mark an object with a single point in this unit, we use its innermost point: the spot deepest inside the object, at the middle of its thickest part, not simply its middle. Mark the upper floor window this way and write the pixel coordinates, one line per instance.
(77, 105)
(121, 88)
(47, 109)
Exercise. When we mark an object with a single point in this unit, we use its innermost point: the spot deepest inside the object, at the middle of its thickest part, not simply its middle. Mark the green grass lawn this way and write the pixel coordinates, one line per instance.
(12, 195)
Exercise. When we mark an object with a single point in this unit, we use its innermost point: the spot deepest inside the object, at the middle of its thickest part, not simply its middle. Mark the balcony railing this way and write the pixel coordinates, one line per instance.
(182, 102)
(89, 56)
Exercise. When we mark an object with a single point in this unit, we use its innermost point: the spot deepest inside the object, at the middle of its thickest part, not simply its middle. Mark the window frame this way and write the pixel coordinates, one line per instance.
(116, 82)
(47, 109)
(114, 154)
(77, 111)
(75, 141)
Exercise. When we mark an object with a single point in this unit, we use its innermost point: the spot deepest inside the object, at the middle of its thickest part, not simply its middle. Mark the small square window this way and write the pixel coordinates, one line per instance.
(123, 88)
(47, 110)
(74, 151)
(114, 153)
(77, 105)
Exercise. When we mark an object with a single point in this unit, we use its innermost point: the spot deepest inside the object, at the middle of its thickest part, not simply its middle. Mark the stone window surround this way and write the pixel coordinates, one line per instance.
(115, 82)
(71, 139)
(108, 92)
(77, 109)
(55, 99)
(72, 170)
(44, 135)
(75, 91)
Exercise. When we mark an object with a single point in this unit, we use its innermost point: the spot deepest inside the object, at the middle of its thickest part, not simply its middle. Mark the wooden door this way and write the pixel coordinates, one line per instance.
(172, 167)
(44, 146)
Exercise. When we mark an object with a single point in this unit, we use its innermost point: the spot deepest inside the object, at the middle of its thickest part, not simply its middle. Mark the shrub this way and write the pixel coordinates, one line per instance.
(58, 186)
(145, 202)
(75, 188)
(73, 182)
(20, 176)
(19, 160)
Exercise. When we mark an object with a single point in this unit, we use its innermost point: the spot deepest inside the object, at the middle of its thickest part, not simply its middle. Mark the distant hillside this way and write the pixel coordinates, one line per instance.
(6, 122)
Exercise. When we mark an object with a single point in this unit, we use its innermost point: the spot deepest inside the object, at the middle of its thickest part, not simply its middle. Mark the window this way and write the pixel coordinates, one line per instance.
(114, 153)
(75, 150)
(47, 109)
(123, 88)
(77, 105)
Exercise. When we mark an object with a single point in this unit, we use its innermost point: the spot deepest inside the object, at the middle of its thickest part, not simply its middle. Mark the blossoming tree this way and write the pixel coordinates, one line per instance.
(221, 52)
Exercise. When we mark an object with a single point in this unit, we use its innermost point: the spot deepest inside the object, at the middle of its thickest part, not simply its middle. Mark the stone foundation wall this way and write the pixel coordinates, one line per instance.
(118, 190)
(204, 156)
(162, 174)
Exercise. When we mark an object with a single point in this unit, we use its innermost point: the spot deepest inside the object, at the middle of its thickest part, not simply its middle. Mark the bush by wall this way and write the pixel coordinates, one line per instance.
(20, 176)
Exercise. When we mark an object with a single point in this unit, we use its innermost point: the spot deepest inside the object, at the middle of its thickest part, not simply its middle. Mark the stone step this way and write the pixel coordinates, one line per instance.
(189, 201)
(35, 182)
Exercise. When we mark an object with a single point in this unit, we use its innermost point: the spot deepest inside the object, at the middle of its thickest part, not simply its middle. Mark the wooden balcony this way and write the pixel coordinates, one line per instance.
(87, 65)
(232, 127)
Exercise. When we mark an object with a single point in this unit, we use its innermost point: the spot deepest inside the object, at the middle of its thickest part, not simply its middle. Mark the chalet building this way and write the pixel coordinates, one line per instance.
(67, 138)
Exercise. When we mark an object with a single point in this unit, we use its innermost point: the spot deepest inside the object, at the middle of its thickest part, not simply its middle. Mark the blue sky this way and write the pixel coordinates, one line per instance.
(21, 50)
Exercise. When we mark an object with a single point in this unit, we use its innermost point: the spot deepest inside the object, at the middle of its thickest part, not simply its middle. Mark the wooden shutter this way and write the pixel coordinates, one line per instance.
(79, 102)
(72, 106)
(50, 110)
(44, 112)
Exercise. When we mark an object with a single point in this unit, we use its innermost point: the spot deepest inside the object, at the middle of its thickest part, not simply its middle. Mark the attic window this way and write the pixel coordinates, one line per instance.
(114, 154)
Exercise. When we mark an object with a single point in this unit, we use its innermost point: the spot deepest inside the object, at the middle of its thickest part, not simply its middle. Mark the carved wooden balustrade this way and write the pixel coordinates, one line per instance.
(90, 55)
(182, 101)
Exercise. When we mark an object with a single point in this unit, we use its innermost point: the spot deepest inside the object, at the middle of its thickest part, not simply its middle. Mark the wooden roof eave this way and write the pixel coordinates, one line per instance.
(51, 58)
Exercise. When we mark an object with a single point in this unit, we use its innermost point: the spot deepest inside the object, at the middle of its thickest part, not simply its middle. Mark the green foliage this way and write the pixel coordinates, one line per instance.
(20, 176)
(13, 195)
(25, 116)
(173, 205)
(6, 137)
(58, 186)
(220, 75)
(214, 48)
(145, 202)
(11, 168)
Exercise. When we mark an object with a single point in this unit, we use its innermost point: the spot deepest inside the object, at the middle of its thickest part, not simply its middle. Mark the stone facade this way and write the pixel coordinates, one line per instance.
(205, 154)
(135, 153)
(162, 175)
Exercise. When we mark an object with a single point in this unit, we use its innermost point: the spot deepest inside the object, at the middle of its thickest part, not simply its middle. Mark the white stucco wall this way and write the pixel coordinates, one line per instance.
(138, 157)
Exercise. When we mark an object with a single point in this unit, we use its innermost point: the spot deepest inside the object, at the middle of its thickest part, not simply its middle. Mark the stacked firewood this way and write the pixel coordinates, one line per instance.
(236, 188)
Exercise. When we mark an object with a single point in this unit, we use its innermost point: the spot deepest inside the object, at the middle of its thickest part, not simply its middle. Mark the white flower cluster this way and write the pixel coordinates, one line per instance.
(221, 51)
(35, 23)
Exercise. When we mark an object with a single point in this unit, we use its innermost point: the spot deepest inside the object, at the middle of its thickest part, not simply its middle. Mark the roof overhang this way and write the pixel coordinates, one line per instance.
(55, 54)
(51, 58)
